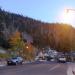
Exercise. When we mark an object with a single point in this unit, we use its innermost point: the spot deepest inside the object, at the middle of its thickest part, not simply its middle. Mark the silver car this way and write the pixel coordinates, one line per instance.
(15, 61)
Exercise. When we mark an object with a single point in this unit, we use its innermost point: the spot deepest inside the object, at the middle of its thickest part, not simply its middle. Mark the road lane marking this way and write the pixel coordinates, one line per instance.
(71, 69)
(54, 67)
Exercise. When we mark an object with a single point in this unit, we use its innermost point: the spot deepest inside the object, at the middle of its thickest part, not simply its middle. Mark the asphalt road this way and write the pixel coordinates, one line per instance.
(46, 68)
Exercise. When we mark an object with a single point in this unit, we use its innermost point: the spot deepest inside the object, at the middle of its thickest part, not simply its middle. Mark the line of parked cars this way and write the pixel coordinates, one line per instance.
(19, 60)
(59, 59)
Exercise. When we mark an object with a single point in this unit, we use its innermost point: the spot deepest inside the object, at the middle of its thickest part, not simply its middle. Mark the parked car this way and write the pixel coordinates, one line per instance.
(62, 59)
(15, 61)
(49, 58)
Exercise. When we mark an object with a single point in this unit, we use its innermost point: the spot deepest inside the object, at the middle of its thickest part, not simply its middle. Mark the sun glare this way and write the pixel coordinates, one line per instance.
(68, 17)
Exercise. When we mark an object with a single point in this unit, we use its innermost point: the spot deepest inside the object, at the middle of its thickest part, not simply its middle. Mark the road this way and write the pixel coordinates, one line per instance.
(46, 68)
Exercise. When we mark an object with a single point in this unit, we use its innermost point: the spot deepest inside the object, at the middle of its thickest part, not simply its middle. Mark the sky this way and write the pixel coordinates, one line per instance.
(51, 11)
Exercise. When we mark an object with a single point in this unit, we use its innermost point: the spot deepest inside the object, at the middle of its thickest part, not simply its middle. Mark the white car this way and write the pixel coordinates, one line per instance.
(62, 59)
(15, 61)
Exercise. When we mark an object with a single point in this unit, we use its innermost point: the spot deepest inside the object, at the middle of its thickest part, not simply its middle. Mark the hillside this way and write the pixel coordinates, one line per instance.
(55, 35)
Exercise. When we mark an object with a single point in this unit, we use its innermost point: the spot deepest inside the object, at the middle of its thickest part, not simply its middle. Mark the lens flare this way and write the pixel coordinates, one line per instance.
(68, 17)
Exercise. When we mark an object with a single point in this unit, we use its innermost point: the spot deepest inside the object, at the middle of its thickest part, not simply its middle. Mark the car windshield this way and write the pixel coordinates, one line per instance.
(14, 58)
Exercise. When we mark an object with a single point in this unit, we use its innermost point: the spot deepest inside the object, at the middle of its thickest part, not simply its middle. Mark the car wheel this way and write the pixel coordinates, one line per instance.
(16, 63)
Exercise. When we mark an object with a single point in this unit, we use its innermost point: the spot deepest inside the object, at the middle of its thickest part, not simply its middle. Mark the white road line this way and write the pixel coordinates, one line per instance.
(71, 69)
(54, 67)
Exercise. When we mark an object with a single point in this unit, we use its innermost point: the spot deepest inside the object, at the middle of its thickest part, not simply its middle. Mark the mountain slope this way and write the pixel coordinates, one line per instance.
(55, 35)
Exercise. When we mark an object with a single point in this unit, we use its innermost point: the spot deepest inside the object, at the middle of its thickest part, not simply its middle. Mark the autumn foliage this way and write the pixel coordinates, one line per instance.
(21, 48)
